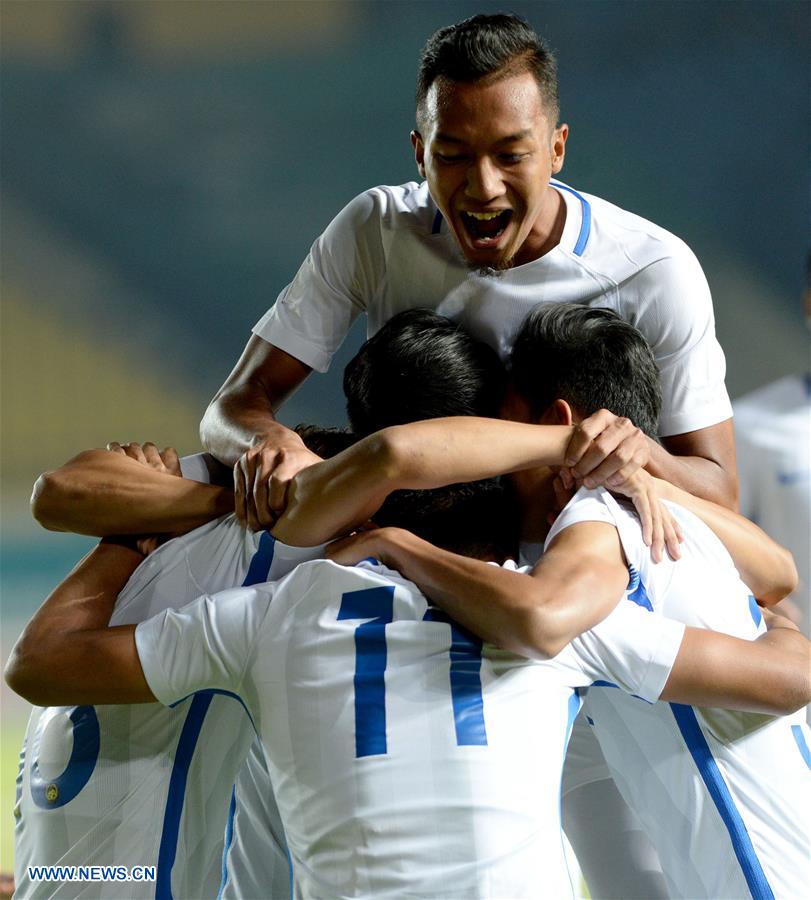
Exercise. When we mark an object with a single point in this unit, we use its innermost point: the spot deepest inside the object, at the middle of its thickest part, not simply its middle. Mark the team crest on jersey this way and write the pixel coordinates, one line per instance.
(52, 793)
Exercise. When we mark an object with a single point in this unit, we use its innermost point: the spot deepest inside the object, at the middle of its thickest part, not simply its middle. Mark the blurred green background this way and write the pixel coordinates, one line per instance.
(166, 165)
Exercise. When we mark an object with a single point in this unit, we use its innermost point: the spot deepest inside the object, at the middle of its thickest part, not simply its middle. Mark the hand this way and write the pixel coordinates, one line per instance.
(148, 455)
(606, 450)
(262, 476)
(660, 529)
(371, 541)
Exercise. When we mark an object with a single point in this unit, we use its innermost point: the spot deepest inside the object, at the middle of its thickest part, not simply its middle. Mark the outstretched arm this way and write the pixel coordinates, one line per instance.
(767, 568)
(67, 654)
(770, 675)
(100, 493)
(326, 500)
(576, 584)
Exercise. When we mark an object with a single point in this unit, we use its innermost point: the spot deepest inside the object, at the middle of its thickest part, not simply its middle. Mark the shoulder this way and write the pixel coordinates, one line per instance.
(586, 506)
(403, 205)
(623, 246)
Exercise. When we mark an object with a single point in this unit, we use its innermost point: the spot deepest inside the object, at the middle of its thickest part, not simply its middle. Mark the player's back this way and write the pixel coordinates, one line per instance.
(127, 785)
(725, 795)
(406, 762)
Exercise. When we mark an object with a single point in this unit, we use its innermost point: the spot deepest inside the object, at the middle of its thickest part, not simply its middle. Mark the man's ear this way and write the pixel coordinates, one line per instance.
(419, 151)
(558, 413)
(558, 147)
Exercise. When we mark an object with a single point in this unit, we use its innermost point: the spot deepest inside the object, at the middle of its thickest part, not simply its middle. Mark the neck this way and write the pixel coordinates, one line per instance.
(548, 230)
(536, 506)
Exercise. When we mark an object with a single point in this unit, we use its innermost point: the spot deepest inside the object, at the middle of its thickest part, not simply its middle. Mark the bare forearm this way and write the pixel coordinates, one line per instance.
(234, 421)
(52, 645)
(101, 493)
(491, 602)
(700, 462)
(766, 567)
(242, 413)
(328, 499)
(572, 589)
(771, 675)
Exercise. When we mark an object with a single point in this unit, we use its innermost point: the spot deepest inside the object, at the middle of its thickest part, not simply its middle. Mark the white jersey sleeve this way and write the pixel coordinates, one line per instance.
(631, 650)
(207, 645)
(669, 302)
(313, 314)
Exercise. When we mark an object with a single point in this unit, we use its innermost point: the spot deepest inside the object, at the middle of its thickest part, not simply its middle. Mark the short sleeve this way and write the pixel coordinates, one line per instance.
(336, 282)
(631, 648)
(205, 645)
(669, 302)
(586, 506)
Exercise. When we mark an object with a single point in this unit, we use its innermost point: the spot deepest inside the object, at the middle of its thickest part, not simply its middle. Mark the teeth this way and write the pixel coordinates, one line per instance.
(484, 216)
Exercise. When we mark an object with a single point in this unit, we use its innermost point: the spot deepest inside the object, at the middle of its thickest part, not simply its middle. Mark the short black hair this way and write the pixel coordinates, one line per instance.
(478, 519)
(488, 45)
(589, 357)
(421, 365)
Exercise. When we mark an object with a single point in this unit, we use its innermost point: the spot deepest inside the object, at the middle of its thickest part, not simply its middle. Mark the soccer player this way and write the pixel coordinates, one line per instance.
(725, 796)
(405, 757)
(490, 235)
(147, 785)
(308, 491)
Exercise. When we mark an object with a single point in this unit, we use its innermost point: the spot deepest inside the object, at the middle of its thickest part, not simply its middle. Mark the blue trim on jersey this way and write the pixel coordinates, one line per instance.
(176, 795)
(466, 682)
(436, 228)
(711, 775)
(229, 837)
(290, 871)
(257, 573)
(259, 568)
(585, 225)
(633, 579)
(371, 655)
(610, 684)
(83, 757)
(640, 595)
(590, 720)
(799, 737)
(754, 609)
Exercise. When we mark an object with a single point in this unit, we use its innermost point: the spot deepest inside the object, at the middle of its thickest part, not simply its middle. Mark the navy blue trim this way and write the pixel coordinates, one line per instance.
(290, 871)
(177, 792)
(707, 767)
(807, 380)
(465, 681)
(229, 837)
(257, 573)
(437, 226)
(83, 757)
(640, 596)
(259, 568)
(590, 720)
(799, 738)
(610, 684)
(585, 224)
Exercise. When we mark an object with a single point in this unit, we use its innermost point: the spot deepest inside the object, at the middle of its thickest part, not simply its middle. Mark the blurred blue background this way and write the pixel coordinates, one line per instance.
(166, 165)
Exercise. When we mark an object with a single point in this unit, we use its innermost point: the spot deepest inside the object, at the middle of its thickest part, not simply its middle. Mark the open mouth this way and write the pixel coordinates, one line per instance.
(486, 227)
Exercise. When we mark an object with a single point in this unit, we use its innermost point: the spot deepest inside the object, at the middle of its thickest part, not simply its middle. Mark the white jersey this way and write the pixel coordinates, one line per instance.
(724, 795)
(390, 250)
(127, 785)
(773, 440)
(407, 760)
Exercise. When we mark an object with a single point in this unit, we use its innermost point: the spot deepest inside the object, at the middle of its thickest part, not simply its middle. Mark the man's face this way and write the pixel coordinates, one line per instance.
(487, 152)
